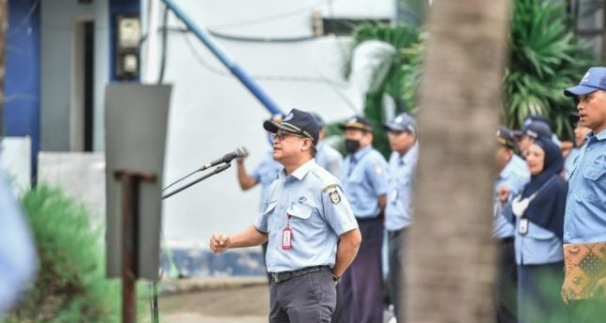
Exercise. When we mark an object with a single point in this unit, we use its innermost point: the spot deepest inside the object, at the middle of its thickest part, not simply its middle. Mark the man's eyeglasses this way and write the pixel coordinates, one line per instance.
(281, 135)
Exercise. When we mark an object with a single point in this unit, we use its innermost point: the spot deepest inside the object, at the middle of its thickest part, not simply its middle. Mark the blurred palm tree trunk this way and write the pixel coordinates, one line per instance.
(451, 255)
(3, 27)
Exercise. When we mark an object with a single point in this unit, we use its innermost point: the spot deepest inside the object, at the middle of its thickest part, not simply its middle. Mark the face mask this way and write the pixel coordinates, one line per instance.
(352, 145)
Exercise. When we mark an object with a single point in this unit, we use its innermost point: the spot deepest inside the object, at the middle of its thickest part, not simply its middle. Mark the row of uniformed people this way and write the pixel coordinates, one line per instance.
(380, 194)
(538, 212)
(542, 211)
(529, 212)
(378, 201)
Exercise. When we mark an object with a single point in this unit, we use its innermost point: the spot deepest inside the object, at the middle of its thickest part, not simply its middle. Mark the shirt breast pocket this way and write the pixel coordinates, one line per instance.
(300, 212)
(595, 182)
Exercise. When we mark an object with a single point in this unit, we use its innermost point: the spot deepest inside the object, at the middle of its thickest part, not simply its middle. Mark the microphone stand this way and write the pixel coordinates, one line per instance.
(153, 285)
(214, 172)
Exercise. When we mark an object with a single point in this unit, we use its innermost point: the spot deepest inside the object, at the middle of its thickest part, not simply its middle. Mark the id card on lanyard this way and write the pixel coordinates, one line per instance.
(523, 226)
(287, 235)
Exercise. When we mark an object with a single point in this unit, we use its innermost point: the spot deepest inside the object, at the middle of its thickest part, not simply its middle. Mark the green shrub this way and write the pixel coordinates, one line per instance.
(71, 284)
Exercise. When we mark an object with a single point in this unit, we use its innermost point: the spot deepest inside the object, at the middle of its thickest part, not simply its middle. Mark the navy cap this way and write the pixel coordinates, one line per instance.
(594, 79)
(298, 122)
(357, 122)
(505, 137)
(537, 129)
(535, 118)
(402, 122)
(318, 120)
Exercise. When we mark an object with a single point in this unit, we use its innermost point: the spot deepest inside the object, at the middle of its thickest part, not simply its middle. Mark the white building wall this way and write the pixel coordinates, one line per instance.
(212, 113)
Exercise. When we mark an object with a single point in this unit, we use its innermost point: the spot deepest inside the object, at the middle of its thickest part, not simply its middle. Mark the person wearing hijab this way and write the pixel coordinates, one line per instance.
(538, 215)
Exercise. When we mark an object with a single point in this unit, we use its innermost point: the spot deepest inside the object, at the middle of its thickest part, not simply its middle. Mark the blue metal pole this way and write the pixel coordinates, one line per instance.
(235, 69)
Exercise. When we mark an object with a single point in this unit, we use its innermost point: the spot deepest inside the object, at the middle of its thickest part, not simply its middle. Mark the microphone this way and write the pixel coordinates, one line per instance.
(240, 152)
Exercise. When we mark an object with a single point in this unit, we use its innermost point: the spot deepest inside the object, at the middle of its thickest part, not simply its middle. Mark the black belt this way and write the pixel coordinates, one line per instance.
(369, 219)
(286, 275)
(506, 240)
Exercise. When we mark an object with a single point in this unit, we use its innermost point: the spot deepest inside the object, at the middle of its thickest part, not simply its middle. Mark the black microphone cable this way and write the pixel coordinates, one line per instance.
(180, 179)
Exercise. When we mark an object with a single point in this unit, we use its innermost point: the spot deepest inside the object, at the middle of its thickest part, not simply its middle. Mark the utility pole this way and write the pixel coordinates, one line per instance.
(3, 27)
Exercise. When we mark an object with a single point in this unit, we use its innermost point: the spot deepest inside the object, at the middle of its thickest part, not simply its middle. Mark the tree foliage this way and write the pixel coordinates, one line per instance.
(400, 81)
(546, 57)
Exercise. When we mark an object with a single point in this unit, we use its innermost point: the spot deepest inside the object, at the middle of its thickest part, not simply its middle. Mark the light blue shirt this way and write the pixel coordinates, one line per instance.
(538, 247)
(329, 158)
(319, 214)
(514, 176)
(585, 218)
(398, 211)
(265, 173)
(365, 178)
(569, 162)
(17, 253)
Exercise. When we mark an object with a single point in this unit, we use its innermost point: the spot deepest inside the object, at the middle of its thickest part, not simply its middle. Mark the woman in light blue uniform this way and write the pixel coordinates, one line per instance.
(538, 214)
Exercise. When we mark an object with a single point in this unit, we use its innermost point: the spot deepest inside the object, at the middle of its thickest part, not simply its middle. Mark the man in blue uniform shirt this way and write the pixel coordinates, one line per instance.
(580, 133)
(513, 175)
(365, 182)
(585, 218)
(265, 173)
(402, 135)
(310, 227)
(327, 157)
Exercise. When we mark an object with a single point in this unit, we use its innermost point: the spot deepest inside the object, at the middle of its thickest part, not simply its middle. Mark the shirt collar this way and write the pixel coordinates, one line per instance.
(359, 154)
(510, 167)
(600, 136)
(300, 172)
(411, 155)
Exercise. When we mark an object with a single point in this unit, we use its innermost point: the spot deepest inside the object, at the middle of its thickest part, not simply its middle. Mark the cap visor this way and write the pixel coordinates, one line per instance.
(354, 127)
(517, 133)
(271, 126)
(393, 126)
(579, 90)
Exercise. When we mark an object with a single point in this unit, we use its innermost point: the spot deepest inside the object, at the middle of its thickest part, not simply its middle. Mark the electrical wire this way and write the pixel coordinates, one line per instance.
(277, 16)
(262, 39)
(25, 20)
(164, 45)
(305, 79)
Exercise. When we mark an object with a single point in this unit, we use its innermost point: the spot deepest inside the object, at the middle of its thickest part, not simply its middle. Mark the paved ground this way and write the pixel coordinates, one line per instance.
(230, 300)
(230, 305)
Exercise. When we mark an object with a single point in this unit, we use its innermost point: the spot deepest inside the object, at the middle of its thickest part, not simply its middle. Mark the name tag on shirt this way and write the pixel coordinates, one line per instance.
(286, 239)
(523, 226)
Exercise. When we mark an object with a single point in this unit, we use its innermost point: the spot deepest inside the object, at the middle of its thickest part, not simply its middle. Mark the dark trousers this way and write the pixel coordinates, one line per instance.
(507, 281)
(587, 311)
(303, 299)
(396, 240)
(539, 298)
(360, 292)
